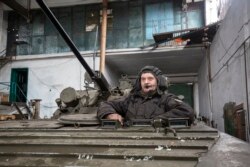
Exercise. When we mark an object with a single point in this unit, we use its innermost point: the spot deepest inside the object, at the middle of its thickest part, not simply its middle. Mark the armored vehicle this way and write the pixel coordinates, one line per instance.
(91, 142)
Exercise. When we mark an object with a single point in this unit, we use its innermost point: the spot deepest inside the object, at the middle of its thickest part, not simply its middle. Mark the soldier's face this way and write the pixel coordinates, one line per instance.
(148, 82)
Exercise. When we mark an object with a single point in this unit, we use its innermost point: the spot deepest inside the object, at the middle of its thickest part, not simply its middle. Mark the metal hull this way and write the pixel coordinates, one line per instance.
(48, 143)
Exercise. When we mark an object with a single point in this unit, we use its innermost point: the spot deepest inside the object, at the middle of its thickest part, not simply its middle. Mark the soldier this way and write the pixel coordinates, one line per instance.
(147, 100)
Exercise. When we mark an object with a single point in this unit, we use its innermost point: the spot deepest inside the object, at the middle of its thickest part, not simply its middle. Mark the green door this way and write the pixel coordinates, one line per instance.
(183, 89)
(19, 85)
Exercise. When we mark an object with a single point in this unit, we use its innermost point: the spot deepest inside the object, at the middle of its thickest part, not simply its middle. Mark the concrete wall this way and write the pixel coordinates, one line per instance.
(111, 75)
(204, 90)
(48, 75)
(211, 12)
(228, 65)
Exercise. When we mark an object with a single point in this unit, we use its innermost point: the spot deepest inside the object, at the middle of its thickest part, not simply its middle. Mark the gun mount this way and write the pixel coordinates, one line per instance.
(86, 101)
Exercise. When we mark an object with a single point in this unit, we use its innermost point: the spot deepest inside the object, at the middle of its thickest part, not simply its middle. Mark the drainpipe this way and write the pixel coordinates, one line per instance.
(103, 35)
(207, 47)
(247, 92)
(196, 99)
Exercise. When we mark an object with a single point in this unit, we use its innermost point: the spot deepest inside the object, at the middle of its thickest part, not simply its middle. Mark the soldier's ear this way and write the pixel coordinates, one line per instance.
(163, 82)
(137, 85)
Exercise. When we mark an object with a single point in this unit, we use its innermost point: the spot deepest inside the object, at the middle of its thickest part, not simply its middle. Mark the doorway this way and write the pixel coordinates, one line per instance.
(19, 85)
(183, 89)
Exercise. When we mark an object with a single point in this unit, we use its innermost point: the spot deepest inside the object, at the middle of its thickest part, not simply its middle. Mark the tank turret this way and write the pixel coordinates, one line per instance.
(86, 101)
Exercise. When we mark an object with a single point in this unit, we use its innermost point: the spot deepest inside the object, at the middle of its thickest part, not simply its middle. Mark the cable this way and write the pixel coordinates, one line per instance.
(226, 64)
(54, 65)
(245, 24)
(50, 86)
(48, 106)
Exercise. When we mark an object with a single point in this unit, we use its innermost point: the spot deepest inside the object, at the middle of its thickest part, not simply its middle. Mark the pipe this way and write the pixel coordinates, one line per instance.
(210, 96)
(103, 36)
(247, 91)
(94, 55)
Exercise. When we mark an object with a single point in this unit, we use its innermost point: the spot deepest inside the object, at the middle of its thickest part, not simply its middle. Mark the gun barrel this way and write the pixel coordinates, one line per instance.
(100, 81)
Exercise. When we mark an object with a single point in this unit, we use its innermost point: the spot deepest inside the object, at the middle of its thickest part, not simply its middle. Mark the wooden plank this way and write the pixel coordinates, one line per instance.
(7, 117)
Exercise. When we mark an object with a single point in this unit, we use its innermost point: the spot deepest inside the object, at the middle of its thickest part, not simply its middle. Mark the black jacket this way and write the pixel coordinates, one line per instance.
(135, 106)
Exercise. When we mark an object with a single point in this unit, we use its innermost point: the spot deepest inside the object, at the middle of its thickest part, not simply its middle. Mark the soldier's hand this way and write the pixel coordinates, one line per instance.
(115, 117)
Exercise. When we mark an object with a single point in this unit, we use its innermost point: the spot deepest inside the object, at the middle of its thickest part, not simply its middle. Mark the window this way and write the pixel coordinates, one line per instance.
(109, 18)
(92, 18)
(159, 17)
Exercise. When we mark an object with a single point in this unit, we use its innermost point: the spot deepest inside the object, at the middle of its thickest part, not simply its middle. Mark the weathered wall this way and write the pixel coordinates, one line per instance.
(111, 76)
(203, 84)
(228, 70)
(48, 75)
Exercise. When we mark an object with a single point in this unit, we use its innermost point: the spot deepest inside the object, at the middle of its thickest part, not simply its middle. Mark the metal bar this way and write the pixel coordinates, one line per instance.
(246, 66)
(19, 111)
(17, 86)
(5, 83)
(95, 50)
(17, 7)
(28, 110)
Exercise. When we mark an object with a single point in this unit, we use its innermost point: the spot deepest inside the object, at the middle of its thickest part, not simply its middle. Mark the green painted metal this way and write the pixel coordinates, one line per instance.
(183, 89)
(19, 85)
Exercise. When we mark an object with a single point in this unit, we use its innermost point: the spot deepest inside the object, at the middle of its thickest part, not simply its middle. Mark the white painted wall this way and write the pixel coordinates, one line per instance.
(216, 10)
(111, 76)
(203, 84)
(229, 81)
(211, 11)
(48, 75)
